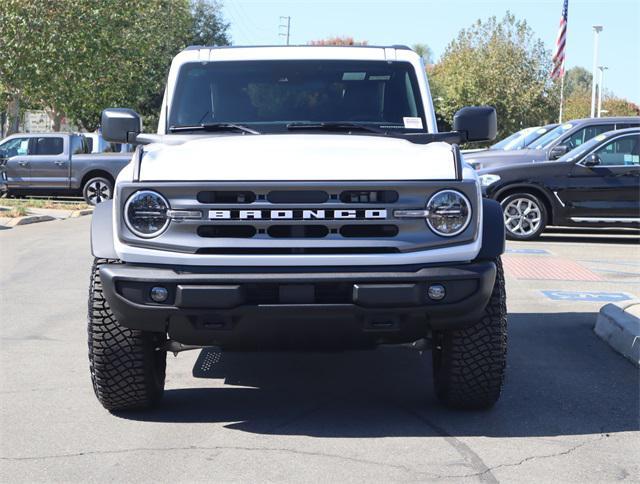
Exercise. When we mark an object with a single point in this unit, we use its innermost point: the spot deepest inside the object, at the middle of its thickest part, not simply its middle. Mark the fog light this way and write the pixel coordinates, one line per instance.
(159, 294)
(436, 292)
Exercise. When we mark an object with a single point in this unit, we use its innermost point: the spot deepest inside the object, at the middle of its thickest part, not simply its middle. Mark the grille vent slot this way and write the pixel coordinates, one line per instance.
(369, 230)
(230, 196)
(369, 196)
(297, 231)
(227, 231)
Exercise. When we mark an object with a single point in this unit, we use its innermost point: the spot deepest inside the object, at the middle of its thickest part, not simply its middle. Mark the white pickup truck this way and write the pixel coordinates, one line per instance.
(297, 198)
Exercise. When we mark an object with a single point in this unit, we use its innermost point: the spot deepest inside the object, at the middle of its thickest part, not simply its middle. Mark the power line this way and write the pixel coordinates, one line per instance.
(285, 26)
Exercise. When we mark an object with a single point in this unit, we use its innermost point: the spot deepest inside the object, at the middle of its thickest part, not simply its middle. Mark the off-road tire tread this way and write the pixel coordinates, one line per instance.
(469, 363)
(123, 362)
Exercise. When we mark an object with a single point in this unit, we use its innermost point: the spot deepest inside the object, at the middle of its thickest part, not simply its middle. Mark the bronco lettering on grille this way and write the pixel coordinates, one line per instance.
(298, 214)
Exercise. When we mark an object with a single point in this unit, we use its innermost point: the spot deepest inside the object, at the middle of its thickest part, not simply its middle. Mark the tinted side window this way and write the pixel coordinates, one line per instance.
(48, 146)
(585, 134)
(15, 147)
(623, 151)
(627, 125)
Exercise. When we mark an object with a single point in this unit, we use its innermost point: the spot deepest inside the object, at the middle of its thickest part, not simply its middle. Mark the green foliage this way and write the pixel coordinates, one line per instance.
(497, 63)
(577, 80)
(338, 41)
(208, 27)
(77, 57)
(424, 51)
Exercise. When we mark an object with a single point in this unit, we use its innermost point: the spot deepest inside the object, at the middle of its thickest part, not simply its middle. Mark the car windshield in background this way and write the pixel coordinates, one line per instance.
(269, 95)
(551, 136)
(512, 142)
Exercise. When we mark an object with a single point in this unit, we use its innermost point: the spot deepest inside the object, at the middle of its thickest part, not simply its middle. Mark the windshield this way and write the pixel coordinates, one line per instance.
(583, 149)
(269, 95)
(510, 141)
(544, 141)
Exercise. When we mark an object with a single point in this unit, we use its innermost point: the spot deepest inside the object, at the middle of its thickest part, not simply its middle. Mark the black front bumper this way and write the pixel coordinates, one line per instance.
(282, 309)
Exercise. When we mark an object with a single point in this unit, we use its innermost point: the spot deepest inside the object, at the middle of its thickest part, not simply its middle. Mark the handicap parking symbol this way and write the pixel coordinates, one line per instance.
(587, 296)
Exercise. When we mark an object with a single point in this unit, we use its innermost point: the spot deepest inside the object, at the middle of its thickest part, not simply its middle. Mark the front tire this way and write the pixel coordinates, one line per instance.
(469, 363)
(525, 216)
(127, 371)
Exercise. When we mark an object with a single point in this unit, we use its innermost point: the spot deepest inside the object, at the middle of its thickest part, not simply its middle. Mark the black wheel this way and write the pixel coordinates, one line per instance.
(97, 190)
(127, 371)
(525, 216)
(469, 363)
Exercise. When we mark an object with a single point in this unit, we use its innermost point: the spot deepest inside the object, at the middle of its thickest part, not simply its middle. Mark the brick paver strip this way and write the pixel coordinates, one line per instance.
(547, 268)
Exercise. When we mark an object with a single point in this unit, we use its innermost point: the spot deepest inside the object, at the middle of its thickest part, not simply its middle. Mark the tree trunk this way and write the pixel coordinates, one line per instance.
(13, 113)
(56, 117)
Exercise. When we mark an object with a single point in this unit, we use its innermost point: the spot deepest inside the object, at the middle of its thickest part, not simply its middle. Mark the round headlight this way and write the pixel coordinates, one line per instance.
(146, 213)
(449, 213)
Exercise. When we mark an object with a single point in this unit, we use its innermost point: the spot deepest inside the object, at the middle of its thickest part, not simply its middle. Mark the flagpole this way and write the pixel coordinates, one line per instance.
(561, 95)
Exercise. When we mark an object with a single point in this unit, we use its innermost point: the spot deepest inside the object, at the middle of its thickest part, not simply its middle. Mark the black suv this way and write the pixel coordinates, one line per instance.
(554, 144)
(594, 185)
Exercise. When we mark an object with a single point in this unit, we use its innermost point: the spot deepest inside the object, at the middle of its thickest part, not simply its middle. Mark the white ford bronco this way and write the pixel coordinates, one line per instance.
(297, 198)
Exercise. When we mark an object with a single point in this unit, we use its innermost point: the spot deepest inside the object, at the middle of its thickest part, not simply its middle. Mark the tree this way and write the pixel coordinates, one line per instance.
(424, 51)
(338, 41)
(76, 57)
(578, 105)
(497, 63)
(577, 80)
(208, 25)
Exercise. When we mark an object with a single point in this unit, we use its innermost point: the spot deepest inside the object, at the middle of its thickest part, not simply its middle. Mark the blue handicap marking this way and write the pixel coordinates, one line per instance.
(590, 296)
(527, 251)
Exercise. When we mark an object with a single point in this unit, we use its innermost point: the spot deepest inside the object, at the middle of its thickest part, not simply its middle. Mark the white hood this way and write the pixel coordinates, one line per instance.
(296, 157)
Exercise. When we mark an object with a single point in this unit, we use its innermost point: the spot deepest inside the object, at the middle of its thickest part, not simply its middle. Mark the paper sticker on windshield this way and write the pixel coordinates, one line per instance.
(379, 78)
(412, 123)
(354, 76)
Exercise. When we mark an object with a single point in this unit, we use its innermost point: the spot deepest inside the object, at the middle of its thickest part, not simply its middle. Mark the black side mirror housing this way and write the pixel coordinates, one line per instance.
(120, 125)
(591, 160)
(476, 123)
(557, 151)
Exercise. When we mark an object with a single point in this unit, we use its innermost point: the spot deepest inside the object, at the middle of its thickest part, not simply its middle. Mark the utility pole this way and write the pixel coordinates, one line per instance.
(285, 26)
(596, 37)
(601, 88)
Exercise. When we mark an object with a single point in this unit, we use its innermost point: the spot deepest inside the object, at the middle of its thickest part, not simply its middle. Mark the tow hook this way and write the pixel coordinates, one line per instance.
(175, 347)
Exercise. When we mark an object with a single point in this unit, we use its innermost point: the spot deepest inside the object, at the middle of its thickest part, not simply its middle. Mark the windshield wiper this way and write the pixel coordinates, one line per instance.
(214, 127)
(333, 127)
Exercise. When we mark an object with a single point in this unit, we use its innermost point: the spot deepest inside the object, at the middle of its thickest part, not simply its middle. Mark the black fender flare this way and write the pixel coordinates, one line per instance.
(102, 231)
(493, 232)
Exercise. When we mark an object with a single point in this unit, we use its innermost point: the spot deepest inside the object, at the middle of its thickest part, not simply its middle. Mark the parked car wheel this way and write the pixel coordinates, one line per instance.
(525, 216)
(469, 363)
(97, 190)
(127, 369)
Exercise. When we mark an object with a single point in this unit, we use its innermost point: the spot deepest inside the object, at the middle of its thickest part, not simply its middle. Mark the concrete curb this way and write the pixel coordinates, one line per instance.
(619, 326)
(80, 213)
(29, 219)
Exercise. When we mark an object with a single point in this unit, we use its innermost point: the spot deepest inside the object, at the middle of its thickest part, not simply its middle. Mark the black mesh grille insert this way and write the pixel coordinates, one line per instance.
(229, 231)
(297, 231)
(369, 196)
(369, 230)
(231, 196)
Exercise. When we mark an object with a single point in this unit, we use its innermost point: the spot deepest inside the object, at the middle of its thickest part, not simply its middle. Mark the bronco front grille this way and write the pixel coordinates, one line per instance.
(298, 218)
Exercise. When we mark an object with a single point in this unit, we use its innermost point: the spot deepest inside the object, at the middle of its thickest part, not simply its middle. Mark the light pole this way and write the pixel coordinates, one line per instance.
(601, 88)
(596, 36)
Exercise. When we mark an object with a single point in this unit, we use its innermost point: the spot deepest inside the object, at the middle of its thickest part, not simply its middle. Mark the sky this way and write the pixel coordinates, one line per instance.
(436, 23)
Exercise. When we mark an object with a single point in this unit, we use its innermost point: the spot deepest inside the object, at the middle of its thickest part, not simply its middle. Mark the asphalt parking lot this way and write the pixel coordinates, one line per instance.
(569, 412)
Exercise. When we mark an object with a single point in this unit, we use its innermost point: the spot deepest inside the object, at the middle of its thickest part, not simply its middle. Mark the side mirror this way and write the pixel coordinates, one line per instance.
(476, 123)
(591, 160)
(120, 125)
(558, 151)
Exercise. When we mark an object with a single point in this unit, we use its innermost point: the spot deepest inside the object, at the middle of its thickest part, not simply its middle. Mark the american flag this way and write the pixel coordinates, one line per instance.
(561, 41)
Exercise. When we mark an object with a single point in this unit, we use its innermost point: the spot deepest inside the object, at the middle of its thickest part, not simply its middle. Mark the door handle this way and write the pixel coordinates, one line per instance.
(23, 163)
(60, 163)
